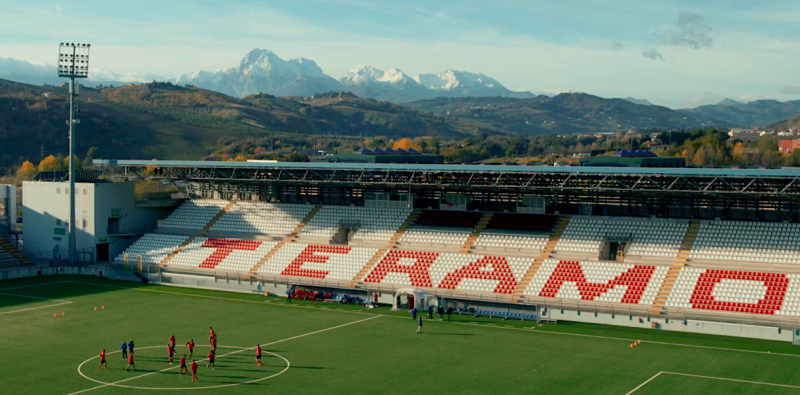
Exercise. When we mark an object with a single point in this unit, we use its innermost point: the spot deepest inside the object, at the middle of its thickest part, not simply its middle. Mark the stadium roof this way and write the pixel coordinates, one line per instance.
(790, 173)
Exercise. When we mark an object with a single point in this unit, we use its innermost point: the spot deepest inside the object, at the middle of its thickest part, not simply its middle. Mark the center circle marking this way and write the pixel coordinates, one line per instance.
(288, 365)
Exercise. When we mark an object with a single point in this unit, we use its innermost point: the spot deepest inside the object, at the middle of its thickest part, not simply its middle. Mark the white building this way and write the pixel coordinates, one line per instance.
(107, 218)
(739, 133)
(8, 206)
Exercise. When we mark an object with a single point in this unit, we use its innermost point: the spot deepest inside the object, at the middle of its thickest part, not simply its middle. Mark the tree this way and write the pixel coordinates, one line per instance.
(49, 163)
(406, 143)
(78, 163)
(294, 157)
(238, 158)
(26, 172)
(699, 158)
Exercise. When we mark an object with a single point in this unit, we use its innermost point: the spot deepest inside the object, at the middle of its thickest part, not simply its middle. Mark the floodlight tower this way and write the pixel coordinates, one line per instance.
(73, 62)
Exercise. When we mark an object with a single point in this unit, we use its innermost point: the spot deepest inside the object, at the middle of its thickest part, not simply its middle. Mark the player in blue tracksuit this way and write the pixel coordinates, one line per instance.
(130, 346)
(414, 314)
(124, 348)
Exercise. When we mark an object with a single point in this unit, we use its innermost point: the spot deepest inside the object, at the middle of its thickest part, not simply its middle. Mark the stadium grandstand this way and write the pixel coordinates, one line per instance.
(627, 246)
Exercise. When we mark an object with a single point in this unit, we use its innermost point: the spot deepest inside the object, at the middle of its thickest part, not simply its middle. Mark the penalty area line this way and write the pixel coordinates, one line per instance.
(60, 303)
(733, 380)
(645, 383)
(116, 383)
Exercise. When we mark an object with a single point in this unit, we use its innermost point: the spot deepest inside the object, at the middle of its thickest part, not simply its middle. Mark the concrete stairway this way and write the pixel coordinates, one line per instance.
(10, 256)
(266, 257)
(546, 253)
(672, 275)
(289, 239)
(292, 236)
(219, 215)
(382, 251)
(476, 231)
(205, 230)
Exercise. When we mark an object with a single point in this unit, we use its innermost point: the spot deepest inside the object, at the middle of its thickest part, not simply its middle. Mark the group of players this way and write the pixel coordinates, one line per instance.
(127, 353)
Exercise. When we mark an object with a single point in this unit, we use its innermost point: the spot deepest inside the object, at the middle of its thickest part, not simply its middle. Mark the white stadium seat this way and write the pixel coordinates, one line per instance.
(153, 247)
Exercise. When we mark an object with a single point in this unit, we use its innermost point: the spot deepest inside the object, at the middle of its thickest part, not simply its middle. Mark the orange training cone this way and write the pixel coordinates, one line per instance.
(62, 313)
(55, 315)
(102, 307)
(95, 308)
(631, 345)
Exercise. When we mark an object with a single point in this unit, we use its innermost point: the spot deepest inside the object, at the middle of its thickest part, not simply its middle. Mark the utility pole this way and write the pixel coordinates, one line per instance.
(73, 62)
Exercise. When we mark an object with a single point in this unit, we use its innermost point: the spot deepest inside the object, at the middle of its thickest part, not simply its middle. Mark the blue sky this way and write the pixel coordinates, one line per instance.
(675, 53)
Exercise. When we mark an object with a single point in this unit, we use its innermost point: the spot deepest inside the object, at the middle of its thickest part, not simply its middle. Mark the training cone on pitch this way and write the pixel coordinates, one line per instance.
(102, 307)
(62, 313)
(95, 308)
(55, 315)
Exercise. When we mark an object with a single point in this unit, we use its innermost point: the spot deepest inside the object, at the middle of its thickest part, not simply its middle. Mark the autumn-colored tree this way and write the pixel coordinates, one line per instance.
(26, 172)
(238, 158)
(406, 143)
(49, 163)
(78, 163)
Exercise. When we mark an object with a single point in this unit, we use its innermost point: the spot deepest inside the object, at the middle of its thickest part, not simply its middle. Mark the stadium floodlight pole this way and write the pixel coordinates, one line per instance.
(73, 62)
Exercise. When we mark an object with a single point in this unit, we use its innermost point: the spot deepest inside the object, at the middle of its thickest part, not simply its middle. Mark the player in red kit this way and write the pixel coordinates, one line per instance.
(258, 354)
(194, 371)
(214, 343)
(190, 347)
(183, 365)
(211, 332)
(102, 359)
(210, 359)
(170, 351)
(130, 363)
(172, 341)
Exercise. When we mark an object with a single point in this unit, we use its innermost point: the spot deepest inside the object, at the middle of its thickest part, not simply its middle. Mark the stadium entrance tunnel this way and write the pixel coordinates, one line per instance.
(408, 298)
(156, 374)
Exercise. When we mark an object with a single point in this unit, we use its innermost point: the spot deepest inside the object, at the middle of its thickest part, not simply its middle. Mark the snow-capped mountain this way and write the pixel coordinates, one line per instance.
(461, 83)
(390, 85)
(41, 74)
(262, 71)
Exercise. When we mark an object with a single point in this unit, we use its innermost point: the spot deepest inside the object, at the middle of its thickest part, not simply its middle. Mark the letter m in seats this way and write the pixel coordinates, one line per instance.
(223, 248)
(635, 279)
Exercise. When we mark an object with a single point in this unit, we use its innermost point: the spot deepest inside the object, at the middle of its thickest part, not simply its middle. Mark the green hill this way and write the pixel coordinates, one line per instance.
(567, 113)
(169, 122)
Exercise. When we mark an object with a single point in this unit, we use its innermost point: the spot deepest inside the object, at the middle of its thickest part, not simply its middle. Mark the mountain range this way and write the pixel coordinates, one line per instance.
(759, 113)
(263, 71)
(168, 121)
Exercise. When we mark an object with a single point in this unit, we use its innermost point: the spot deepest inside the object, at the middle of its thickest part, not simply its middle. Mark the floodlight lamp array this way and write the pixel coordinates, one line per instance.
(73, 60)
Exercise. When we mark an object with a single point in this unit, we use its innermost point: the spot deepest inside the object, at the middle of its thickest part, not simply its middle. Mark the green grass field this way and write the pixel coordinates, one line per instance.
(316, 348)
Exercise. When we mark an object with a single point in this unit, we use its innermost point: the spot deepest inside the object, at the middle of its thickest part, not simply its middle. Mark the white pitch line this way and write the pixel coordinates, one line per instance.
(32, 297)
(733, 380)
(452, 322)
(645, 383)
(61, 302)
(34, 285)
(36, 308)
(226, 354)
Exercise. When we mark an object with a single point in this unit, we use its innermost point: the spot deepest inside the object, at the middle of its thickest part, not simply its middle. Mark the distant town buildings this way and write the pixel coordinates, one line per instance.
(740, 133)
(785, 146)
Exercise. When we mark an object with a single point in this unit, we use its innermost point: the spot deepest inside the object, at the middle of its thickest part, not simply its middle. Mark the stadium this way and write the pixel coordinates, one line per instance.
(552, 280)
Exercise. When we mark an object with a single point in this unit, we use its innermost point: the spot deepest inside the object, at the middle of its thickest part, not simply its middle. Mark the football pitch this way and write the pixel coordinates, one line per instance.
(320, 348)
